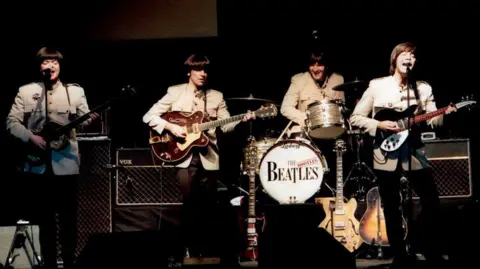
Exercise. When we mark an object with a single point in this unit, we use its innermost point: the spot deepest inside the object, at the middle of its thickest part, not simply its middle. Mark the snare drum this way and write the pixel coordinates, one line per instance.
(325, 120)
(292, 171)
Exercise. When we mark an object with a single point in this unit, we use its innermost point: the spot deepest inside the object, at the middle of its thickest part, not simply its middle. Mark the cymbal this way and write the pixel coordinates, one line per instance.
(351, 86)
(251, 100)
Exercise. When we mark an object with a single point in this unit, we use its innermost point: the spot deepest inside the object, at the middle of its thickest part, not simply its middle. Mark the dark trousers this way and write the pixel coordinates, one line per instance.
(49, 196)
(199, 190)
(428, 222)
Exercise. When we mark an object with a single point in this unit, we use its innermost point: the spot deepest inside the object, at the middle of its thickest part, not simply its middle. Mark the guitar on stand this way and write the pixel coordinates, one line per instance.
(254, 223)
(340, 219)
(373, 229)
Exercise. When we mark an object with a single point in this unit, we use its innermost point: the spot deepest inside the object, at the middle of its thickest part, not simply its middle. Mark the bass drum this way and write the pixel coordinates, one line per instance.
(291, 171)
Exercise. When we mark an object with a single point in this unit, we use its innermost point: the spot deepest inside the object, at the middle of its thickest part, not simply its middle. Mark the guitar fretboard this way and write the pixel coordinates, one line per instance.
(214, 124)
(424, 117)
(339, 196)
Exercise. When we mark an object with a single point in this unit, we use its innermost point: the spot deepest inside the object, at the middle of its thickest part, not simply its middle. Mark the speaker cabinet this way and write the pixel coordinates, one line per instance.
(451, 166)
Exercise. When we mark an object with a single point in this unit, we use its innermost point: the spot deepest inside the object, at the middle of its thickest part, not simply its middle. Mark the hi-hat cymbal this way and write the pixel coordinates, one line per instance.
(351, 86)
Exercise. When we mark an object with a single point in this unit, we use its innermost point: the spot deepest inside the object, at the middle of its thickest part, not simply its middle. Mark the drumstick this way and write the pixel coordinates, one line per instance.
(281, 135)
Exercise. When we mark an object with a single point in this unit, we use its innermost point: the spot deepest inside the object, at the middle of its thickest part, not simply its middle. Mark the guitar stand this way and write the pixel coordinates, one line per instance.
(18, 241)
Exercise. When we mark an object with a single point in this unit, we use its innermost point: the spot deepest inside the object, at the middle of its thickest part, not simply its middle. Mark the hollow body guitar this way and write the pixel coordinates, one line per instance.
(171, 149)
(373, 228)
(340, 219)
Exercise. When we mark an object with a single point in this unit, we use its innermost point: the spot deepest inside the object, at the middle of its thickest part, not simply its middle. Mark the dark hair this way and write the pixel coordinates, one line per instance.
(402, 47)
(196, 62)
(48, 53)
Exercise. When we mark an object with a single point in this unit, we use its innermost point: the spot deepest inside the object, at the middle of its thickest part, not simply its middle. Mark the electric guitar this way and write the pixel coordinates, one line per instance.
(392, 141)
(254, 223)
(373, 229)
(169, 148)
(58, 134)
(340, 219)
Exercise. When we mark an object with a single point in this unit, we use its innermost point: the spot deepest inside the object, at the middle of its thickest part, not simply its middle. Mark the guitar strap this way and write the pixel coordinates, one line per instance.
(73, 132)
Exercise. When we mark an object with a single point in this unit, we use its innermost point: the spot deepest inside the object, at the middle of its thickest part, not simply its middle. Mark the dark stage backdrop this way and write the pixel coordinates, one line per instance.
(259, 46)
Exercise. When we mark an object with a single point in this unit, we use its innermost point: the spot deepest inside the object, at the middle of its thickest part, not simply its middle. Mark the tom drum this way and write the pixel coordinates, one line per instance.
(325, 120)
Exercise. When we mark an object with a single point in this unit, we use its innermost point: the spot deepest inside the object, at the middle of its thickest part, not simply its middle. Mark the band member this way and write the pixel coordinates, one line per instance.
(391, 92)
(307, 87)
(199, 171)
(55, 182)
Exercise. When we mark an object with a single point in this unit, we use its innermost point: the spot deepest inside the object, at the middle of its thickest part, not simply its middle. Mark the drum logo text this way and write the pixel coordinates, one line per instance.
(292, 173)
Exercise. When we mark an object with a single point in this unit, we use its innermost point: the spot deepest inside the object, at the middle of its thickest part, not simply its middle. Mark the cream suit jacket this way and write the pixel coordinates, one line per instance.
(178, 98)
(28, 113)
(386, 93)
(302, 92)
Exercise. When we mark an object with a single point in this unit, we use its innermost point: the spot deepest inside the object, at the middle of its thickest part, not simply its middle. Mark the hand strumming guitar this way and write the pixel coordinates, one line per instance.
(176, 130)
(38, 141)
(388, 126)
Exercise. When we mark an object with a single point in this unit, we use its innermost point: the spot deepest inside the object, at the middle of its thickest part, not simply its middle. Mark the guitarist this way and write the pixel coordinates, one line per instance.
(54, 184)
(198, 172)
(391, 92)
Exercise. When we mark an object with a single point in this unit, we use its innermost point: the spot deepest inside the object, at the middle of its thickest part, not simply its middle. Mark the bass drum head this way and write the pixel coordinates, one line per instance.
(291, 171)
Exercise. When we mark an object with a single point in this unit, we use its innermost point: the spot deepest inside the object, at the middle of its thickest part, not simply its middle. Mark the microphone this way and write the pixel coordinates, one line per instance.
(46, 72)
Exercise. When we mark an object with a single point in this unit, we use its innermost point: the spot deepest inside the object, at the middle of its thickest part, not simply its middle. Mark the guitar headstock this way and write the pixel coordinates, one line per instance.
(269, 110)
(340, 146)
(128, 90)
(467, 101)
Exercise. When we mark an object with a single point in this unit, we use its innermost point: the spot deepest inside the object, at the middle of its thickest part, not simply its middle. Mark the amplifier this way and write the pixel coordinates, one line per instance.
(451, 164)
(140, 180)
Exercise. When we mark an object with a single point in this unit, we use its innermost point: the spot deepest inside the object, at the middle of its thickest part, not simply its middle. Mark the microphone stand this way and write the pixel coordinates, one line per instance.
(408, 197)
(48, 156)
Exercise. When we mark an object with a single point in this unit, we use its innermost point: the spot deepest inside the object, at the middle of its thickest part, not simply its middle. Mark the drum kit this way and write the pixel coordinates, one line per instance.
(291, 167)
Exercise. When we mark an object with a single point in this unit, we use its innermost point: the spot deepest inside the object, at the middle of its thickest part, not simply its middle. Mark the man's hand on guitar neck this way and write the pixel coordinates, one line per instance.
(248, 116)
(38, 141)
(176, 130)
(92, 116)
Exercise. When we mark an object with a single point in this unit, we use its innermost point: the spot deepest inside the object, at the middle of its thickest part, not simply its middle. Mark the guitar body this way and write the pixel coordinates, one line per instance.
(373, 228)
(390, 141)
(253, 228)
(169, 148)
(343, 226)
(37, 156)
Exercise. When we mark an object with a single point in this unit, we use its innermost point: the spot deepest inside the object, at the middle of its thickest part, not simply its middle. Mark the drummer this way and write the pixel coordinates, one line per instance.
(307, 87)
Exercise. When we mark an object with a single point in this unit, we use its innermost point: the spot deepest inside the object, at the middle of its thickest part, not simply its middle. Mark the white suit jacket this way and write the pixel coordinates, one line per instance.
(386, 93)
(178, 98)
(28, 113)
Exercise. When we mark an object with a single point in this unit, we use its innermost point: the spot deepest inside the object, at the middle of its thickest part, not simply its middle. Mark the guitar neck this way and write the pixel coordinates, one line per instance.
(251, 197)
(339, 187)
(217, 123)
(425, 117)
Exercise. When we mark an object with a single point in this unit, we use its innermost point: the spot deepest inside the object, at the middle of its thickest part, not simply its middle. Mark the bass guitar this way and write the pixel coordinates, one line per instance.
(58, 134)
(373, 229)
(340, 219)
(169, 148)
(392, 141)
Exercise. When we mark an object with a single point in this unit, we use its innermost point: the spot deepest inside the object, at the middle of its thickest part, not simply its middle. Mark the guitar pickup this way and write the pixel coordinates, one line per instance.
(339, 225)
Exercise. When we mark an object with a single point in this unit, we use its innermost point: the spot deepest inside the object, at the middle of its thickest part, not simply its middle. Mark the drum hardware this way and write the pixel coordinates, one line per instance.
(365, 172)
